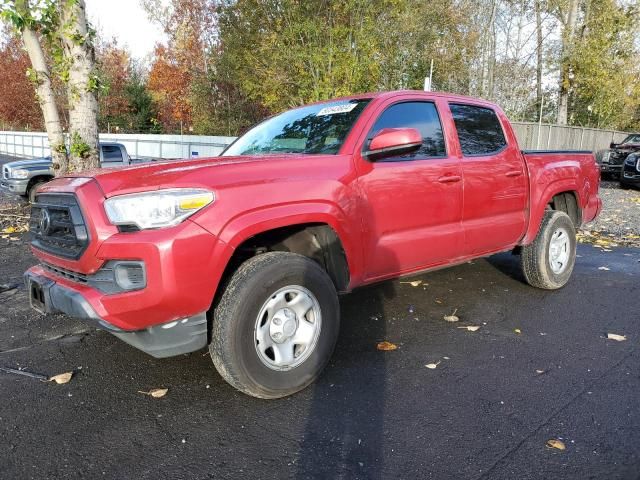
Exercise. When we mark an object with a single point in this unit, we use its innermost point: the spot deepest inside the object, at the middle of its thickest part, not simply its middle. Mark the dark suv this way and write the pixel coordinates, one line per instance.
(630, 176)
(611, 160)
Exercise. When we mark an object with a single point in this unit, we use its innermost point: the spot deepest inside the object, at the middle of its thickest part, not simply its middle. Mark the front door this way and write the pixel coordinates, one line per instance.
(411, 204)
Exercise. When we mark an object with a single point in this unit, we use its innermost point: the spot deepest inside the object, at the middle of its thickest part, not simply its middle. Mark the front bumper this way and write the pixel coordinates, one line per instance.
(610, 168)
(630, 177)
(166, 340)
(13, 185)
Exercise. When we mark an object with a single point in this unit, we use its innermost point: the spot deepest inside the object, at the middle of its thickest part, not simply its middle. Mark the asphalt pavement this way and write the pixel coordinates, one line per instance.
(539, 368)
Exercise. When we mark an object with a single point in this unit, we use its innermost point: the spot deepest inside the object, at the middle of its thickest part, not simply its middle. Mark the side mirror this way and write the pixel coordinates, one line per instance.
(393, 141)
(613, 145)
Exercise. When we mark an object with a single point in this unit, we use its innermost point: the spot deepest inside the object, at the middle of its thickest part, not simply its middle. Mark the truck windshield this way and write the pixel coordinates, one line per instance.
(631, 139)
(313, 129)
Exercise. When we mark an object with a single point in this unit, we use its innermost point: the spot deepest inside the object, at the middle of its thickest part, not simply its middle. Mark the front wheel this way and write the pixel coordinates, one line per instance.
(276, 325)
(31, 193)
(548, 262)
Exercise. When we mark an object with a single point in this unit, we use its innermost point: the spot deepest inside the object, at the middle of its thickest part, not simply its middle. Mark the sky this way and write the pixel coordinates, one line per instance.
(126, 21)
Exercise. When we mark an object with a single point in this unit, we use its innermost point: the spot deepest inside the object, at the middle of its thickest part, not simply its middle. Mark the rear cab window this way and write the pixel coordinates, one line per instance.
(421, 115)
(111, 155)
(479, 130)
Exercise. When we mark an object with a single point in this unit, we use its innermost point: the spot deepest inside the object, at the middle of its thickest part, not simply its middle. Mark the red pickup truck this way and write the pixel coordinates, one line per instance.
(247, 252)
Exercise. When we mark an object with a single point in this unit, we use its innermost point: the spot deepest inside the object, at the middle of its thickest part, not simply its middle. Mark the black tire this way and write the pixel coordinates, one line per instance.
(31, 193)
(536, 259)
(233, 338)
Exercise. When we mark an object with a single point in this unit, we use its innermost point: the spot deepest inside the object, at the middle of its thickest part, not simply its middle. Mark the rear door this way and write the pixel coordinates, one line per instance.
(411, 204)
(495, 181)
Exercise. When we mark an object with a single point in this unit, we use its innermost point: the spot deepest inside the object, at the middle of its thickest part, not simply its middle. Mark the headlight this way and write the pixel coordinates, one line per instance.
(19, 173)
(631, 159)
(158, 209)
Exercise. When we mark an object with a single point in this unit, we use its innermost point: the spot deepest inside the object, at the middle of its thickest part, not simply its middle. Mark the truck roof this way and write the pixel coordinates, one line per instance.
(393, 93)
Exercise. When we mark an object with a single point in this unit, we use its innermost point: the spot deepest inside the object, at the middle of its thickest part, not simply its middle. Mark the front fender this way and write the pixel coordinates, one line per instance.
(249, 224)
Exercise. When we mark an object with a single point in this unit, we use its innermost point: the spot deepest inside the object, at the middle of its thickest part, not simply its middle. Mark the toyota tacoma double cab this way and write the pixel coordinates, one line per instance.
(247, 252)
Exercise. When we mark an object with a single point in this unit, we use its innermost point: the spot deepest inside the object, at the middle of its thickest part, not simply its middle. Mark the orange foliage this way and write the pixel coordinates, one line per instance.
(169, 84)
(18, 105)
(114, 67)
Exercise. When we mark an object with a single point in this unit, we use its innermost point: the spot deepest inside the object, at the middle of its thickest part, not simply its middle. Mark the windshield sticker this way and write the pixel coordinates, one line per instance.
(344, 108)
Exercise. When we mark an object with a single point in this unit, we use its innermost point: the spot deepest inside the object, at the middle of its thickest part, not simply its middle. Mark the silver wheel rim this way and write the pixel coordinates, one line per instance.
(559, 250)
(287, 328)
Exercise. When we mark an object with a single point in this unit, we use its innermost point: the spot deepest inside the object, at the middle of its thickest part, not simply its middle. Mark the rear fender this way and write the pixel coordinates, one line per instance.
(541, 201)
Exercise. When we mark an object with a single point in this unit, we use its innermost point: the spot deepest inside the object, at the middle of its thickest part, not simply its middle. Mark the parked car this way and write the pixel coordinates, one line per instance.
(247, 252)
(23, 177)
(630, 176)
(611, 160)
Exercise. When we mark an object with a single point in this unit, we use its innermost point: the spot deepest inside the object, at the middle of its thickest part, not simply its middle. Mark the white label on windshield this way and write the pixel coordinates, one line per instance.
(347, 107)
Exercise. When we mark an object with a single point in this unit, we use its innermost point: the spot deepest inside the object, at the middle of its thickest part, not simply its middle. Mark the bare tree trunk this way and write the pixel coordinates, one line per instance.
(45, 96)
(568, 37)
(539, 54)
(82, 86)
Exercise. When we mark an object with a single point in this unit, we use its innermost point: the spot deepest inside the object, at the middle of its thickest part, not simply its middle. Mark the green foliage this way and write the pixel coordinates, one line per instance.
(605, 65)
(79, 148)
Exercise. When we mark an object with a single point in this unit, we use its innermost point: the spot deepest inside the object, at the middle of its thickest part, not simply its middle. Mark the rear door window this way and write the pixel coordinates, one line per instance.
(111, 155)
(423, 116)
(479, 130)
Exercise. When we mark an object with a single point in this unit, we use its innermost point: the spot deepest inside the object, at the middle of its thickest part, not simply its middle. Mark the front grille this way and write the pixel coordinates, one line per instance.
(5, 172)
(57, 225)
(115, 276)
(68, 274)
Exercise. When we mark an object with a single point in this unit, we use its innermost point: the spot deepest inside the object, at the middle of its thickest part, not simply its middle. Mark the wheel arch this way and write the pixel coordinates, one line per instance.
(321, 235)
(37, 179)
(562, 196)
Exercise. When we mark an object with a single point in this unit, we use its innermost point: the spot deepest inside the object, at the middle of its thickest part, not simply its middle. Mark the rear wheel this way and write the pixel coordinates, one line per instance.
(275, 326)
(548, 262)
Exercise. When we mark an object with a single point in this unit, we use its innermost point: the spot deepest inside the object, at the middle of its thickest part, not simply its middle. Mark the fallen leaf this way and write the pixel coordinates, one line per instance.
(604, 268)
(415, 283)
(540, 372)
(518, 331)
(471, 328)
(156, 392)
(432, 366)
(453, 317)
(558, 444)
(616, 337)
(62, 378)
(9, 230)
(387, 346)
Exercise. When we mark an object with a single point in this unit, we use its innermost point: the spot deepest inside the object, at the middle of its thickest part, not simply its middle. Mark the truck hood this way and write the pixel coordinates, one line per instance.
(45, 162)
(201, 173)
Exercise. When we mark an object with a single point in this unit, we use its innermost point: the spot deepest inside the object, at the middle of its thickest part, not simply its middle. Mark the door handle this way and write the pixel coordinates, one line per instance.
(450, 179)
(514, 173)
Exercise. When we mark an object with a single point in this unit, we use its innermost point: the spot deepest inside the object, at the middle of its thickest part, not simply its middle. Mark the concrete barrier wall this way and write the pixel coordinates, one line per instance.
(531, 136)
(36, 144)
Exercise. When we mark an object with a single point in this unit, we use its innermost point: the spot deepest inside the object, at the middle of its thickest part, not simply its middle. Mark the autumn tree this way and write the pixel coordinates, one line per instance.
(18, 105)
(113, 70)
(59, 43)
(169, 83)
